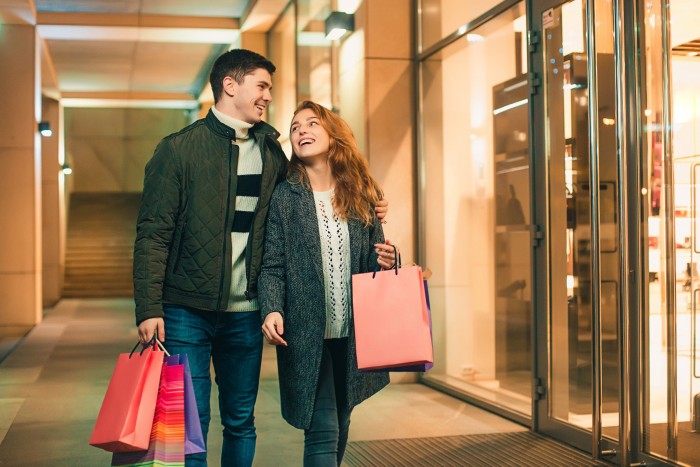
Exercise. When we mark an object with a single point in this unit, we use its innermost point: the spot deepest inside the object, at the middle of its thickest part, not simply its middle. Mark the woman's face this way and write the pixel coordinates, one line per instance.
(309, 138)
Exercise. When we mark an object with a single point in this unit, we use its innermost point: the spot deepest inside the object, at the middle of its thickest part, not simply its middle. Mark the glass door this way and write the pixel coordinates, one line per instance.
(575, 110)
(671, 159)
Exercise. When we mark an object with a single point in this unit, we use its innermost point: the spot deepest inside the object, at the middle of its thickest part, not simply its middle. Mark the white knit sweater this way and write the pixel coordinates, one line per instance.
(335, 253)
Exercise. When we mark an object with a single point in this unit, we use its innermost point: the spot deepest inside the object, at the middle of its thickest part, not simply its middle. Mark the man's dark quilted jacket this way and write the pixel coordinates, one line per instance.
(182, 253)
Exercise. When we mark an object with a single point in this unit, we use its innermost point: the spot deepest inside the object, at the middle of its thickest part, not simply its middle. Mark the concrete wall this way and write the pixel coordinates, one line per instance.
(108, 148)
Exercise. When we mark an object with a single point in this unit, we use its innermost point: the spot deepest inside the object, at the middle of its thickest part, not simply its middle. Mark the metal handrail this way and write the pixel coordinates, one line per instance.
(670, 246)
(596, 345)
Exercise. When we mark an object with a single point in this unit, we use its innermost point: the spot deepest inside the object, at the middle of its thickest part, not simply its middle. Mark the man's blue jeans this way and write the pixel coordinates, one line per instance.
(233, 341)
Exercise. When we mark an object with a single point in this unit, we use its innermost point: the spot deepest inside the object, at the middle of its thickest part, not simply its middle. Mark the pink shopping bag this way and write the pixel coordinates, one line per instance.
(126, 417)
(392, 324)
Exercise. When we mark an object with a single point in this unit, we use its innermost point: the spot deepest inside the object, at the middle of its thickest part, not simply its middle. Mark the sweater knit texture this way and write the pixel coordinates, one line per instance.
(335, 253)
(249, 172)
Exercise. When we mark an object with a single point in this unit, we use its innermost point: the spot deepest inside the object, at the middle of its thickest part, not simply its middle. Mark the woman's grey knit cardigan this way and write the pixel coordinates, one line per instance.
(291, 282)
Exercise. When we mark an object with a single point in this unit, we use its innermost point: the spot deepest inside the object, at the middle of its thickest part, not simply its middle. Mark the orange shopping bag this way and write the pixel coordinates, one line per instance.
(126, 417)
(392, 324)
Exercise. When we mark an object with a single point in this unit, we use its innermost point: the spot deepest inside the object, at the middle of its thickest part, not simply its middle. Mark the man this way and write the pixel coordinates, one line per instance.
(199, 245)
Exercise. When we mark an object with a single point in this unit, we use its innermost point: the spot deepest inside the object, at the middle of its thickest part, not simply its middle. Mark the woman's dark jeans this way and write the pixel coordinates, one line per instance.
(327, 437)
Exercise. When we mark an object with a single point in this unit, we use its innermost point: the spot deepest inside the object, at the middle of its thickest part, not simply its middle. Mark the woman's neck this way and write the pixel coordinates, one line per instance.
(320, 176)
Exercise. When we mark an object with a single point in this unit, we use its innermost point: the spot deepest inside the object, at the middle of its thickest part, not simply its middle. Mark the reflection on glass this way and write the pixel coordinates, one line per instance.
(478, 198)
(566, 88)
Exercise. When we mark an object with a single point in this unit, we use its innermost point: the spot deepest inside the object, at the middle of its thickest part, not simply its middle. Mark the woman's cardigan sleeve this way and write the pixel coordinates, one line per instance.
(376, 235)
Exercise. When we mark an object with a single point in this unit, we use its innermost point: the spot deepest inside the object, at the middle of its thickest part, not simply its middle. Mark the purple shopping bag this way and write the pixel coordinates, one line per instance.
(194, 441)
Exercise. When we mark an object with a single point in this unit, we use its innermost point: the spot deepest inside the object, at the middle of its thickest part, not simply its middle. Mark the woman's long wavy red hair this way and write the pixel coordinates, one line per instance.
(356, 191)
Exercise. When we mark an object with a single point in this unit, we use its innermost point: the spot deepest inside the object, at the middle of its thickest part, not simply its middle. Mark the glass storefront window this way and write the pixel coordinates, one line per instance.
(440, 18)
(477, 201)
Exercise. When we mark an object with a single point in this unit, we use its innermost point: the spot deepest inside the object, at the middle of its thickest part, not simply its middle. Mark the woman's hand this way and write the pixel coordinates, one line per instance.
(386, 259)
(273, 328)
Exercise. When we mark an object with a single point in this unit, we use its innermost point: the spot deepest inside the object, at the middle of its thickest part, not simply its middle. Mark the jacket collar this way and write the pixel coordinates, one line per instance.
(259, 129)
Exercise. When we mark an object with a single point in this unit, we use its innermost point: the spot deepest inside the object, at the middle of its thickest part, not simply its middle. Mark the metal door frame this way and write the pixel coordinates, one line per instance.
(626, 106)
(543, 423)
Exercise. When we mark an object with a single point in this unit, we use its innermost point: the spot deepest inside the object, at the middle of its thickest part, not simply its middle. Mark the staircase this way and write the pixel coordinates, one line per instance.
(100, 244)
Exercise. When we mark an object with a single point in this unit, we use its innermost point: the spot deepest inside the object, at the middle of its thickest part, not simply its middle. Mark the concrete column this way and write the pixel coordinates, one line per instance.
(53, 206)
(20, 178)
(376, 98)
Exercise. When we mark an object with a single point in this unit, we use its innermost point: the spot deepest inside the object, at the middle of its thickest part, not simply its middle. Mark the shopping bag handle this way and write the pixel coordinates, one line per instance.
(154, 342)
(395, 267)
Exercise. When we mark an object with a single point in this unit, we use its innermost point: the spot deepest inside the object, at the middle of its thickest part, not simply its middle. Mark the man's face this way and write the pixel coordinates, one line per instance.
(251, 97)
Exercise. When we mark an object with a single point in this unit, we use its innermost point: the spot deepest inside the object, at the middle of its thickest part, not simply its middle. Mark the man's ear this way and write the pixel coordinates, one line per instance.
(230, 86)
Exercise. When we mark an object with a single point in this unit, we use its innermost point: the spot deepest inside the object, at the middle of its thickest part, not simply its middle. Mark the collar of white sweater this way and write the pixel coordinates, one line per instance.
(239, 126)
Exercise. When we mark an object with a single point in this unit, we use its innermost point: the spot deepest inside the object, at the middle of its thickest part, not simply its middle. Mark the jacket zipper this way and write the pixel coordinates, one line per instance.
(226, 207)
(249, 246)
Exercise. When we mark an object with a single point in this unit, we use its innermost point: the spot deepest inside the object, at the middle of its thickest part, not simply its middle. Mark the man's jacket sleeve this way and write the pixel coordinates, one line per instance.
(154, 230)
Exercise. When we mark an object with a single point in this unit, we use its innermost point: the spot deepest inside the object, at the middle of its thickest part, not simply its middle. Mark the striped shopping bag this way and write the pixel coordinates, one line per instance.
(167, 445)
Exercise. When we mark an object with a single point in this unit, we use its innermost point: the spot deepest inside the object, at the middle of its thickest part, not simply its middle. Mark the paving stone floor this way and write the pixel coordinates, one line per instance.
(53, 382)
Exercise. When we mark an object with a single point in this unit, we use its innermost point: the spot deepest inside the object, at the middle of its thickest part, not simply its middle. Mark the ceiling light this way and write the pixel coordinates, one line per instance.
(338, 24)
(45, 129)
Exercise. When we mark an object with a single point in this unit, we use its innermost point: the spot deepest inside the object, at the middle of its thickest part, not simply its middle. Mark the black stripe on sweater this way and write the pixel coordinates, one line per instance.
(249, 185)
(242, 221)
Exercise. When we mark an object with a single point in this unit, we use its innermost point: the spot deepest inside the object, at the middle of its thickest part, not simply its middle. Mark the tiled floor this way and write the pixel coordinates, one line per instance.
(52, 384)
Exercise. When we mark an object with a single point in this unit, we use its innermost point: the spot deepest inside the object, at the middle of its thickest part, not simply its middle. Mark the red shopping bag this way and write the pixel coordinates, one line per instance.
(167, 437)
(392, 324)
(126, 416)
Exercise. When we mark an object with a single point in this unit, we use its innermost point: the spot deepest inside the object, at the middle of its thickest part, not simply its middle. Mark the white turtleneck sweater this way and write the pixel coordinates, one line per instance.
(249, 173)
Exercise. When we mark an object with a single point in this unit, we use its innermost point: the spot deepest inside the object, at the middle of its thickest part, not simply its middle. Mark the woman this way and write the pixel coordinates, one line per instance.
(321, 229)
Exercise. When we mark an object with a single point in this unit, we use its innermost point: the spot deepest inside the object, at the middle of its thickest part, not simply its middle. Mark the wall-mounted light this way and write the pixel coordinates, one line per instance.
(338, 24)
(65, 168)
(45, 129)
